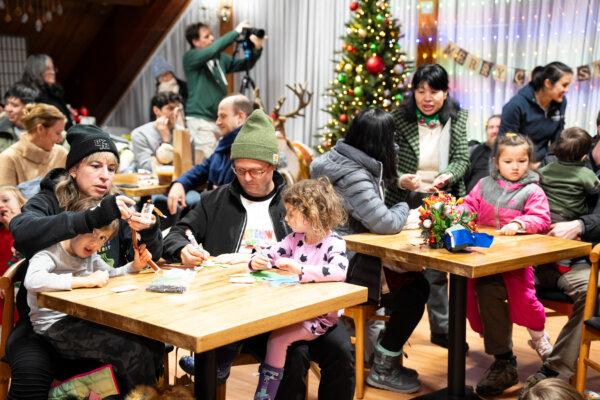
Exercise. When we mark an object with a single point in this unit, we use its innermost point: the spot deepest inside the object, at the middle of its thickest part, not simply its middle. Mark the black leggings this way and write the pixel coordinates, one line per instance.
(405, 306)
(35, 364)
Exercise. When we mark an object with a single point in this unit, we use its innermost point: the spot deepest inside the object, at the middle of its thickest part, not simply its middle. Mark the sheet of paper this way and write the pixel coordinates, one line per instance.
(124, 288)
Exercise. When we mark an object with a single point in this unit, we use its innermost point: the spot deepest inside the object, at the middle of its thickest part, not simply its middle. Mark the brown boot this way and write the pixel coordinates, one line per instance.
(500, 376)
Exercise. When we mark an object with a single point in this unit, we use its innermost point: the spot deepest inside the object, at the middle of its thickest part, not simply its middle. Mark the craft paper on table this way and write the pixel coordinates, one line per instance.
(124, 288)
(272, 278)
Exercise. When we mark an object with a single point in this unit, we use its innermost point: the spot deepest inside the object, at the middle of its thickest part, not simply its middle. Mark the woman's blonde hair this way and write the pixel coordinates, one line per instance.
(552, 389)
(66, 189)
(35, 114)
(16, 192)
(318, 202)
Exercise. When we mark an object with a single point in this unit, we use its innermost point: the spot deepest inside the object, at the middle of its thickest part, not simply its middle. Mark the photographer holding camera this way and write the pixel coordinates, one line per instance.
(205, 66)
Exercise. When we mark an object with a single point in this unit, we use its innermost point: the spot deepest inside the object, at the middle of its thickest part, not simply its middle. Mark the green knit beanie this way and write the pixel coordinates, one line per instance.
(256, 140)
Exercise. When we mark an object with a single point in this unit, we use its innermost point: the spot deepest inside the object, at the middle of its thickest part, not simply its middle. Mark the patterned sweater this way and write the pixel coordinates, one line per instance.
(408, 154)
(325, 261)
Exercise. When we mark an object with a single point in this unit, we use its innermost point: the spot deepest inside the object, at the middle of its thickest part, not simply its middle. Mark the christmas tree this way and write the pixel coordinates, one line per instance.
(371, 69)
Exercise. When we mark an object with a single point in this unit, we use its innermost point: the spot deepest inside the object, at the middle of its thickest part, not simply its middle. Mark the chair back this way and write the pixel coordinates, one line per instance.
(7, 285)
(592, 304)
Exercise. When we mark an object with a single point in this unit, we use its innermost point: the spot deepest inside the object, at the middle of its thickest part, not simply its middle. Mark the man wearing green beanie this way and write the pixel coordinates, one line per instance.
(248, 215)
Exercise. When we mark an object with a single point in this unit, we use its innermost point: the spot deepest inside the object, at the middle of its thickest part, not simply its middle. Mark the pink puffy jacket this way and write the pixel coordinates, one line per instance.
(498, 202)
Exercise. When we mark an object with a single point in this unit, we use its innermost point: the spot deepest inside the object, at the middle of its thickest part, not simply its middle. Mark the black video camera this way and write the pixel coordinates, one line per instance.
(247, 32)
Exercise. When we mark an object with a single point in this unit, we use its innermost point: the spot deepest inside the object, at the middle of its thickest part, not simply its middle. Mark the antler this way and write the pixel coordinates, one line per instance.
(304, 97)
(258, 104)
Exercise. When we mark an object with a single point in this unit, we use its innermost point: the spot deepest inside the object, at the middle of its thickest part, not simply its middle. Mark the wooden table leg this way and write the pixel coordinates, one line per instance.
(205, 376)
(456, 389)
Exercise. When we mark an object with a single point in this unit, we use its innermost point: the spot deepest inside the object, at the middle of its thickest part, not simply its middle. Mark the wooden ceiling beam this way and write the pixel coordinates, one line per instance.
(128, 37)
(135, 3)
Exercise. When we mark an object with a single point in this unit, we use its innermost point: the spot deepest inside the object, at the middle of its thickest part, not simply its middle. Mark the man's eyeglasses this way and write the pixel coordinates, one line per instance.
(255, 173)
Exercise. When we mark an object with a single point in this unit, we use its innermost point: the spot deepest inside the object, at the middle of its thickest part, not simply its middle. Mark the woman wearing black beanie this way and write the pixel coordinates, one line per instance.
(91, 164)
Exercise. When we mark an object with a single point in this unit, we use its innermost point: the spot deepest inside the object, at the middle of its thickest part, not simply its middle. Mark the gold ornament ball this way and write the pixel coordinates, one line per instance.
(362, 33)
(357, 79)
(359, 69)
(348, 68)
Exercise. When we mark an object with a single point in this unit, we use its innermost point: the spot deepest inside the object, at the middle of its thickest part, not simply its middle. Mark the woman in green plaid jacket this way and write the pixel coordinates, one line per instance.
(431, 134)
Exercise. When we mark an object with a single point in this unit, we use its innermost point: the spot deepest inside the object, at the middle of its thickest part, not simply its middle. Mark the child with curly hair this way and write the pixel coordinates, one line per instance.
(315, 254)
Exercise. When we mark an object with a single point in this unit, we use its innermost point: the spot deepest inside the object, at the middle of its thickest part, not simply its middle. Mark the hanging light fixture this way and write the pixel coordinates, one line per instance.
(37, 12)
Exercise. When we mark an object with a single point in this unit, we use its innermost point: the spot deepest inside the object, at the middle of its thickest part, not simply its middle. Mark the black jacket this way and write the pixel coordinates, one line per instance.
(524, 115)
(43, 223)
(479, 166)
(54, 95)
(219, 218)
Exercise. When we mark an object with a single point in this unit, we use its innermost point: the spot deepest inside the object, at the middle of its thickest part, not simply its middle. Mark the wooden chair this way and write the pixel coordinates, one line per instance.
(555, 300)
(591, 324)
(360, 314)
(7, 285)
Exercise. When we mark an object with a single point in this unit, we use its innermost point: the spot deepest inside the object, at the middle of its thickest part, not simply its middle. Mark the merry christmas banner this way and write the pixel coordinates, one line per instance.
(499, 72)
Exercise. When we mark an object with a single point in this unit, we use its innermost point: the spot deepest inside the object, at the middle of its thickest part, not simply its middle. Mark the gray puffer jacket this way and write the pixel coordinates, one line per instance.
(357, 177)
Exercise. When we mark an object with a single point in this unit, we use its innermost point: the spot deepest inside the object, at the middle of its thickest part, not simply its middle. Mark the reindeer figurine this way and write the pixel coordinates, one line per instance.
(297, 155)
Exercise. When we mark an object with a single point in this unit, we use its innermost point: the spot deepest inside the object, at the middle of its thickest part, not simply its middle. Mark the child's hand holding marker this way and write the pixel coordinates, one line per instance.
(260, 260)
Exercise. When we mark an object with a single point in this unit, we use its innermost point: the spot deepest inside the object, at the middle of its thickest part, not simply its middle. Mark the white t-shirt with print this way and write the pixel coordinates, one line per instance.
(259, 232)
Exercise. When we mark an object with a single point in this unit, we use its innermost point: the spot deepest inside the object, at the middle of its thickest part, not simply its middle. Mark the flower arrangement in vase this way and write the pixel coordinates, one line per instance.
(439, 212)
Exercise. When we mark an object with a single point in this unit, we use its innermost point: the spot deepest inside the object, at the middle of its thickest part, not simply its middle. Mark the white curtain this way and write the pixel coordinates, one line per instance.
(521, 34)
(302, 38)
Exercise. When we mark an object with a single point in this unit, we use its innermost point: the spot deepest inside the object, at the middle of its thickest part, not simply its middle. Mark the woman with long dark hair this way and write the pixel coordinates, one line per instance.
(538, 109)
(357, 167)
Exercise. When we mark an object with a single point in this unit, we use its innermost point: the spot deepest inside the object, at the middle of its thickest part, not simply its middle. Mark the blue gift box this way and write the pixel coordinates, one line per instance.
(457, 238)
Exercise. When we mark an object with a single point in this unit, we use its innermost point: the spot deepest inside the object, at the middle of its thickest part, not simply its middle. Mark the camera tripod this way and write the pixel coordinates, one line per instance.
(247, 82)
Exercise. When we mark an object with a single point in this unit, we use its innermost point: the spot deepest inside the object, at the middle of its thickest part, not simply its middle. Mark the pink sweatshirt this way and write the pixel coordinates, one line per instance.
(498, 202)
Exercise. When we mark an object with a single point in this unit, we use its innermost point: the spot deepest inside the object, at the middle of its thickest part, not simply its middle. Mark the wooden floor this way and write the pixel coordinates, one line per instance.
(431, 361)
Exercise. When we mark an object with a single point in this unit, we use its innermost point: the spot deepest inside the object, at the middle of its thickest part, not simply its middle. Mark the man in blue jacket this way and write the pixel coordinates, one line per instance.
(215, 170)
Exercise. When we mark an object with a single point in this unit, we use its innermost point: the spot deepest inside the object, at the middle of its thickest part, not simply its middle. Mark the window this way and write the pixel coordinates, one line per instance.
(13, 53)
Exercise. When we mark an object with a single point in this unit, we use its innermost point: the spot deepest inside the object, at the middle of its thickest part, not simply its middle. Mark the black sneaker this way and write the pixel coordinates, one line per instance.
(500, 376)
(441, 339)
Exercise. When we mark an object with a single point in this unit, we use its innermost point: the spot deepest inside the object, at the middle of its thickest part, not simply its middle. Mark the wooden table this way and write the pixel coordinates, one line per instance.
(505, 254)
(213, 312)
(128, 185)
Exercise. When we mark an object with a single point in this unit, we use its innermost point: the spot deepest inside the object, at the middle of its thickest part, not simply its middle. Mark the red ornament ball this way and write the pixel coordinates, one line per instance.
(375, 65)
(350, 49)
(350, 92)
(343, 118)
(354, 6)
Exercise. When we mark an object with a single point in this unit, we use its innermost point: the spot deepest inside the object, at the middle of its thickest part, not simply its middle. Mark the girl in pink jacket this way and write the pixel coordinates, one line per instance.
(512, 201)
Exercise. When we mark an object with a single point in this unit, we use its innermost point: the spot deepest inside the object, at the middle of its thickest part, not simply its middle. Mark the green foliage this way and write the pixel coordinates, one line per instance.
(439, 212)
(371, 32)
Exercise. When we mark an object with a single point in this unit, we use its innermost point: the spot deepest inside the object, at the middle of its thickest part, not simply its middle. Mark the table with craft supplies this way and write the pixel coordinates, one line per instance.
(507, 253)
(212, 312)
